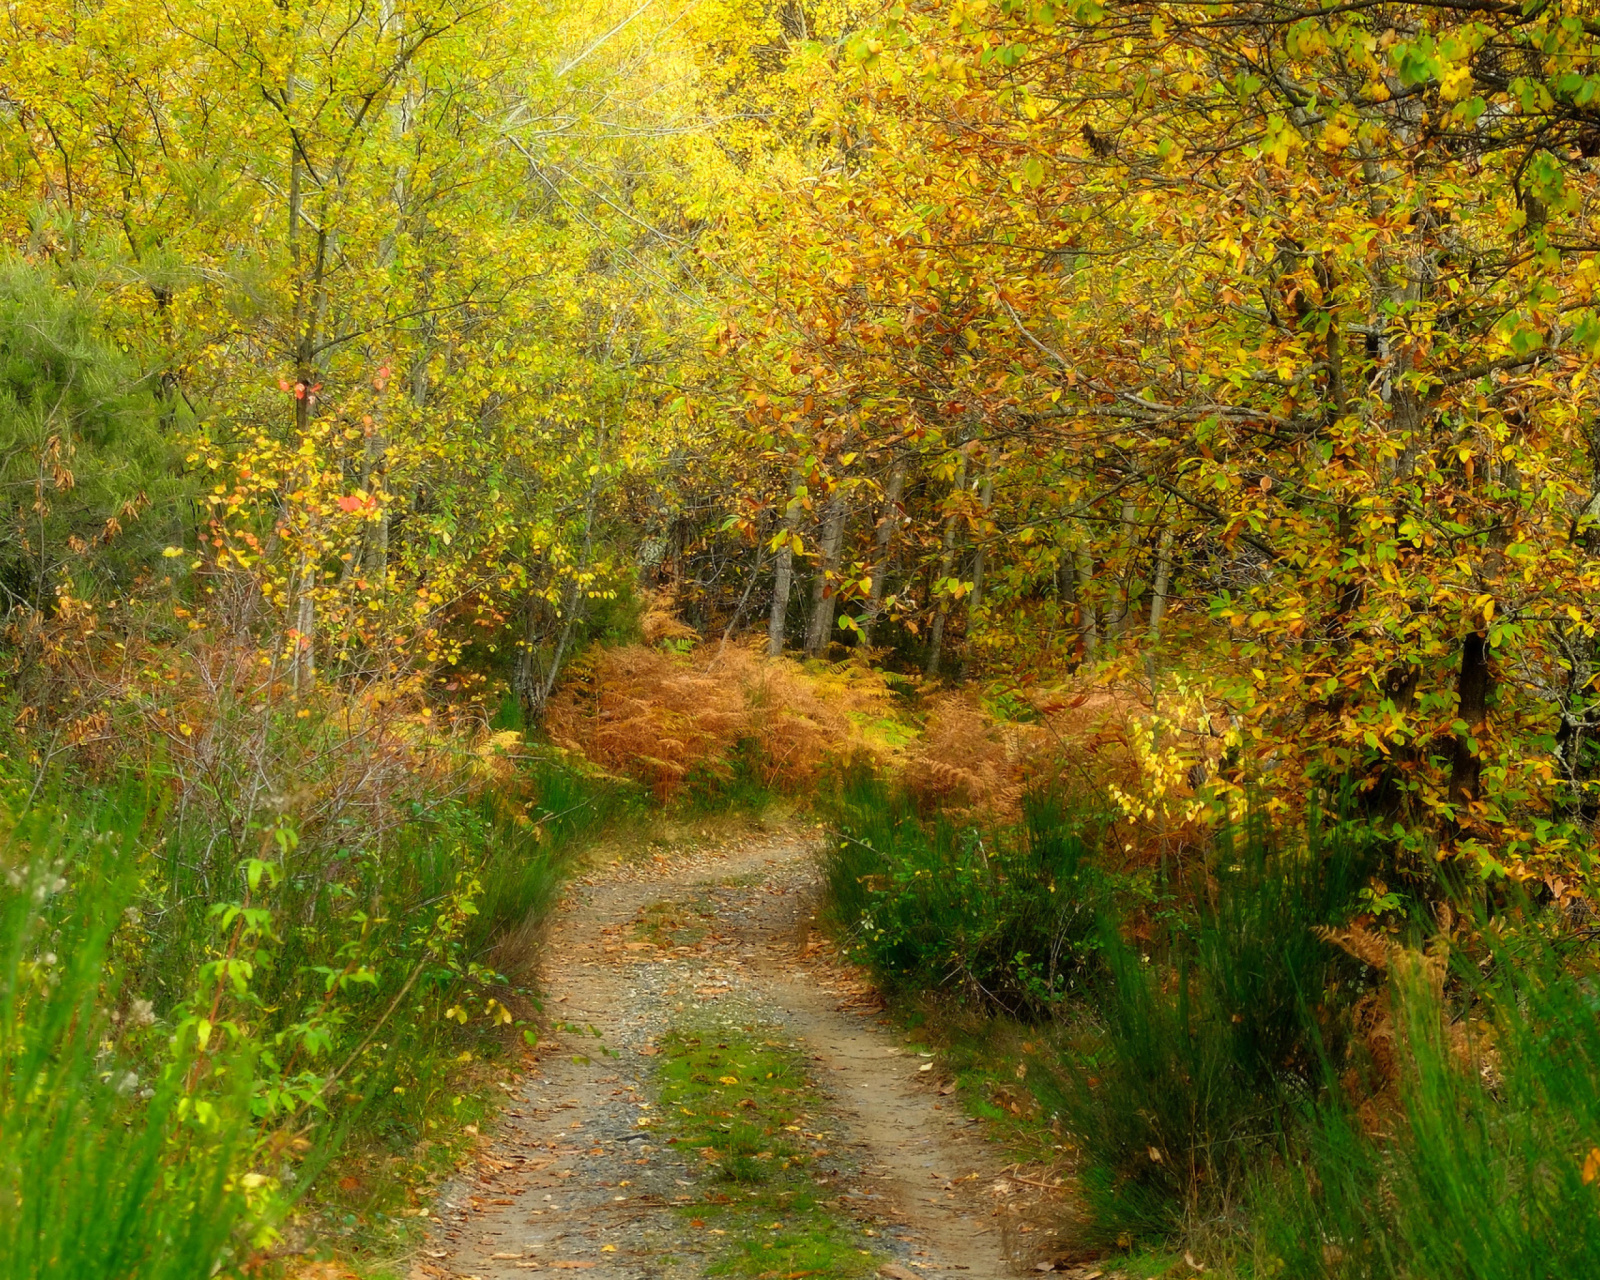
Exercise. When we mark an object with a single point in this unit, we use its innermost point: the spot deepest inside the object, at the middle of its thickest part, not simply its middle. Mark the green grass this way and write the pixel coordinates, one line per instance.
(1488, 1167)
(311, 1013)
(739, 1098)
(121, 1155)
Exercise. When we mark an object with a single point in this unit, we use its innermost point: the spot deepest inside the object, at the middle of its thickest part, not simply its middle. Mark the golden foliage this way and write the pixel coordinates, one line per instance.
(657, 715)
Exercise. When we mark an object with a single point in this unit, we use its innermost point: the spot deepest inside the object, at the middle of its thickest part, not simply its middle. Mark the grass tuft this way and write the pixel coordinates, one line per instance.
(740, 1098)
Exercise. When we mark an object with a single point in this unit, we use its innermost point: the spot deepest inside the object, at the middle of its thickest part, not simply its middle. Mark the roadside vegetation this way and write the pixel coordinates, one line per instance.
(1243, 1057)
(230, 1037)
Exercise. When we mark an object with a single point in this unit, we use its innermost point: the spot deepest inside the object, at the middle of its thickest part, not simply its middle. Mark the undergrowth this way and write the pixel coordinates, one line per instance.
(1238, 1062)
(238, 1026)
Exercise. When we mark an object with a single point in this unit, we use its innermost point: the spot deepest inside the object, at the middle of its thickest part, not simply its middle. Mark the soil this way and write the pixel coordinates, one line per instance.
(574, 1178)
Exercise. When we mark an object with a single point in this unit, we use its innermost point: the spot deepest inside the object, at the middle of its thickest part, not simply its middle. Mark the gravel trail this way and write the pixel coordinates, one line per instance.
(575, 1180)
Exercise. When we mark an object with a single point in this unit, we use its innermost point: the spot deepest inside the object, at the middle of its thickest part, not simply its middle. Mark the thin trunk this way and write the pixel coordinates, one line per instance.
(1158, 590)
(303, 671)
(1158, 610)
(783, 575)
(880, 550)
(975, 597)
(1119, 625)
(1088, 627)
(538, 685)
(946, 563)
(749, 590)
(824, 597)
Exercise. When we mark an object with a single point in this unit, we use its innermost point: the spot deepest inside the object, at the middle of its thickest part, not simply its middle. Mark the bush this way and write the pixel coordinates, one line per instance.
(1006, 917)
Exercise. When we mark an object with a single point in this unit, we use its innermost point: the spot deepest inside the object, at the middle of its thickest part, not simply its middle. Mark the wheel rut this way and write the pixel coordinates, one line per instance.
(574, 1179)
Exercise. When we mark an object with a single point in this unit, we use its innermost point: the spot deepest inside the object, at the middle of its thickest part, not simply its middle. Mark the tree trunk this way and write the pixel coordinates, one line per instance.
(1158, 590)
(1119, 625)
(304, 668)
(824, 593)
(1474, 685)
(537, 685)
(783, 575)
(749, 590)
(975, 597)
(946, 563)
(1088, 626)
(880, 550)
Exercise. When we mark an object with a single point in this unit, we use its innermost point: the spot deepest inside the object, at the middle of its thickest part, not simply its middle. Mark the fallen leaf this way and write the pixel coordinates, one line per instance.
(894, 1271)
(926, 1066)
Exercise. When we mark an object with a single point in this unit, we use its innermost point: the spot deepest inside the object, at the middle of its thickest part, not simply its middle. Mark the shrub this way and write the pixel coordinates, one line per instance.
(1004, 916)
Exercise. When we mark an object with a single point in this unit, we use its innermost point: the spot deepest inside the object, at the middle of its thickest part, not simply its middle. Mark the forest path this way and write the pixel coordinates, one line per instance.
(575, 1179)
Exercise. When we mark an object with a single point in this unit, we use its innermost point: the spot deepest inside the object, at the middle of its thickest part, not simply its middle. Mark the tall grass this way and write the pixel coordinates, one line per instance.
(117, 1158)
(1487, 1165)
(199, 1006)
(1207, 1042)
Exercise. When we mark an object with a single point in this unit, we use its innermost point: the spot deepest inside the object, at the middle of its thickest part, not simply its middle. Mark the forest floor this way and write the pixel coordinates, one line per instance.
(597, 1164)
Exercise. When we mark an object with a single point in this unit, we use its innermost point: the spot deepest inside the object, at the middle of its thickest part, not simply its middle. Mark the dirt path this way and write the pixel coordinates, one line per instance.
(575, 1179)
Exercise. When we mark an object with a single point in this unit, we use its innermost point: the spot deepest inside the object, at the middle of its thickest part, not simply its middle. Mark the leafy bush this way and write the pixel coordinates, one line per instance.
(1007, 918)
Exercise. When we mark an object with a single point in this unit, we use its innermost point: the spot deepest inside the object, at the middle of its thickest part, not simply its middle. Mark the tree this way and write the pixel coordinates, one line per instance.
(1305, 295)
